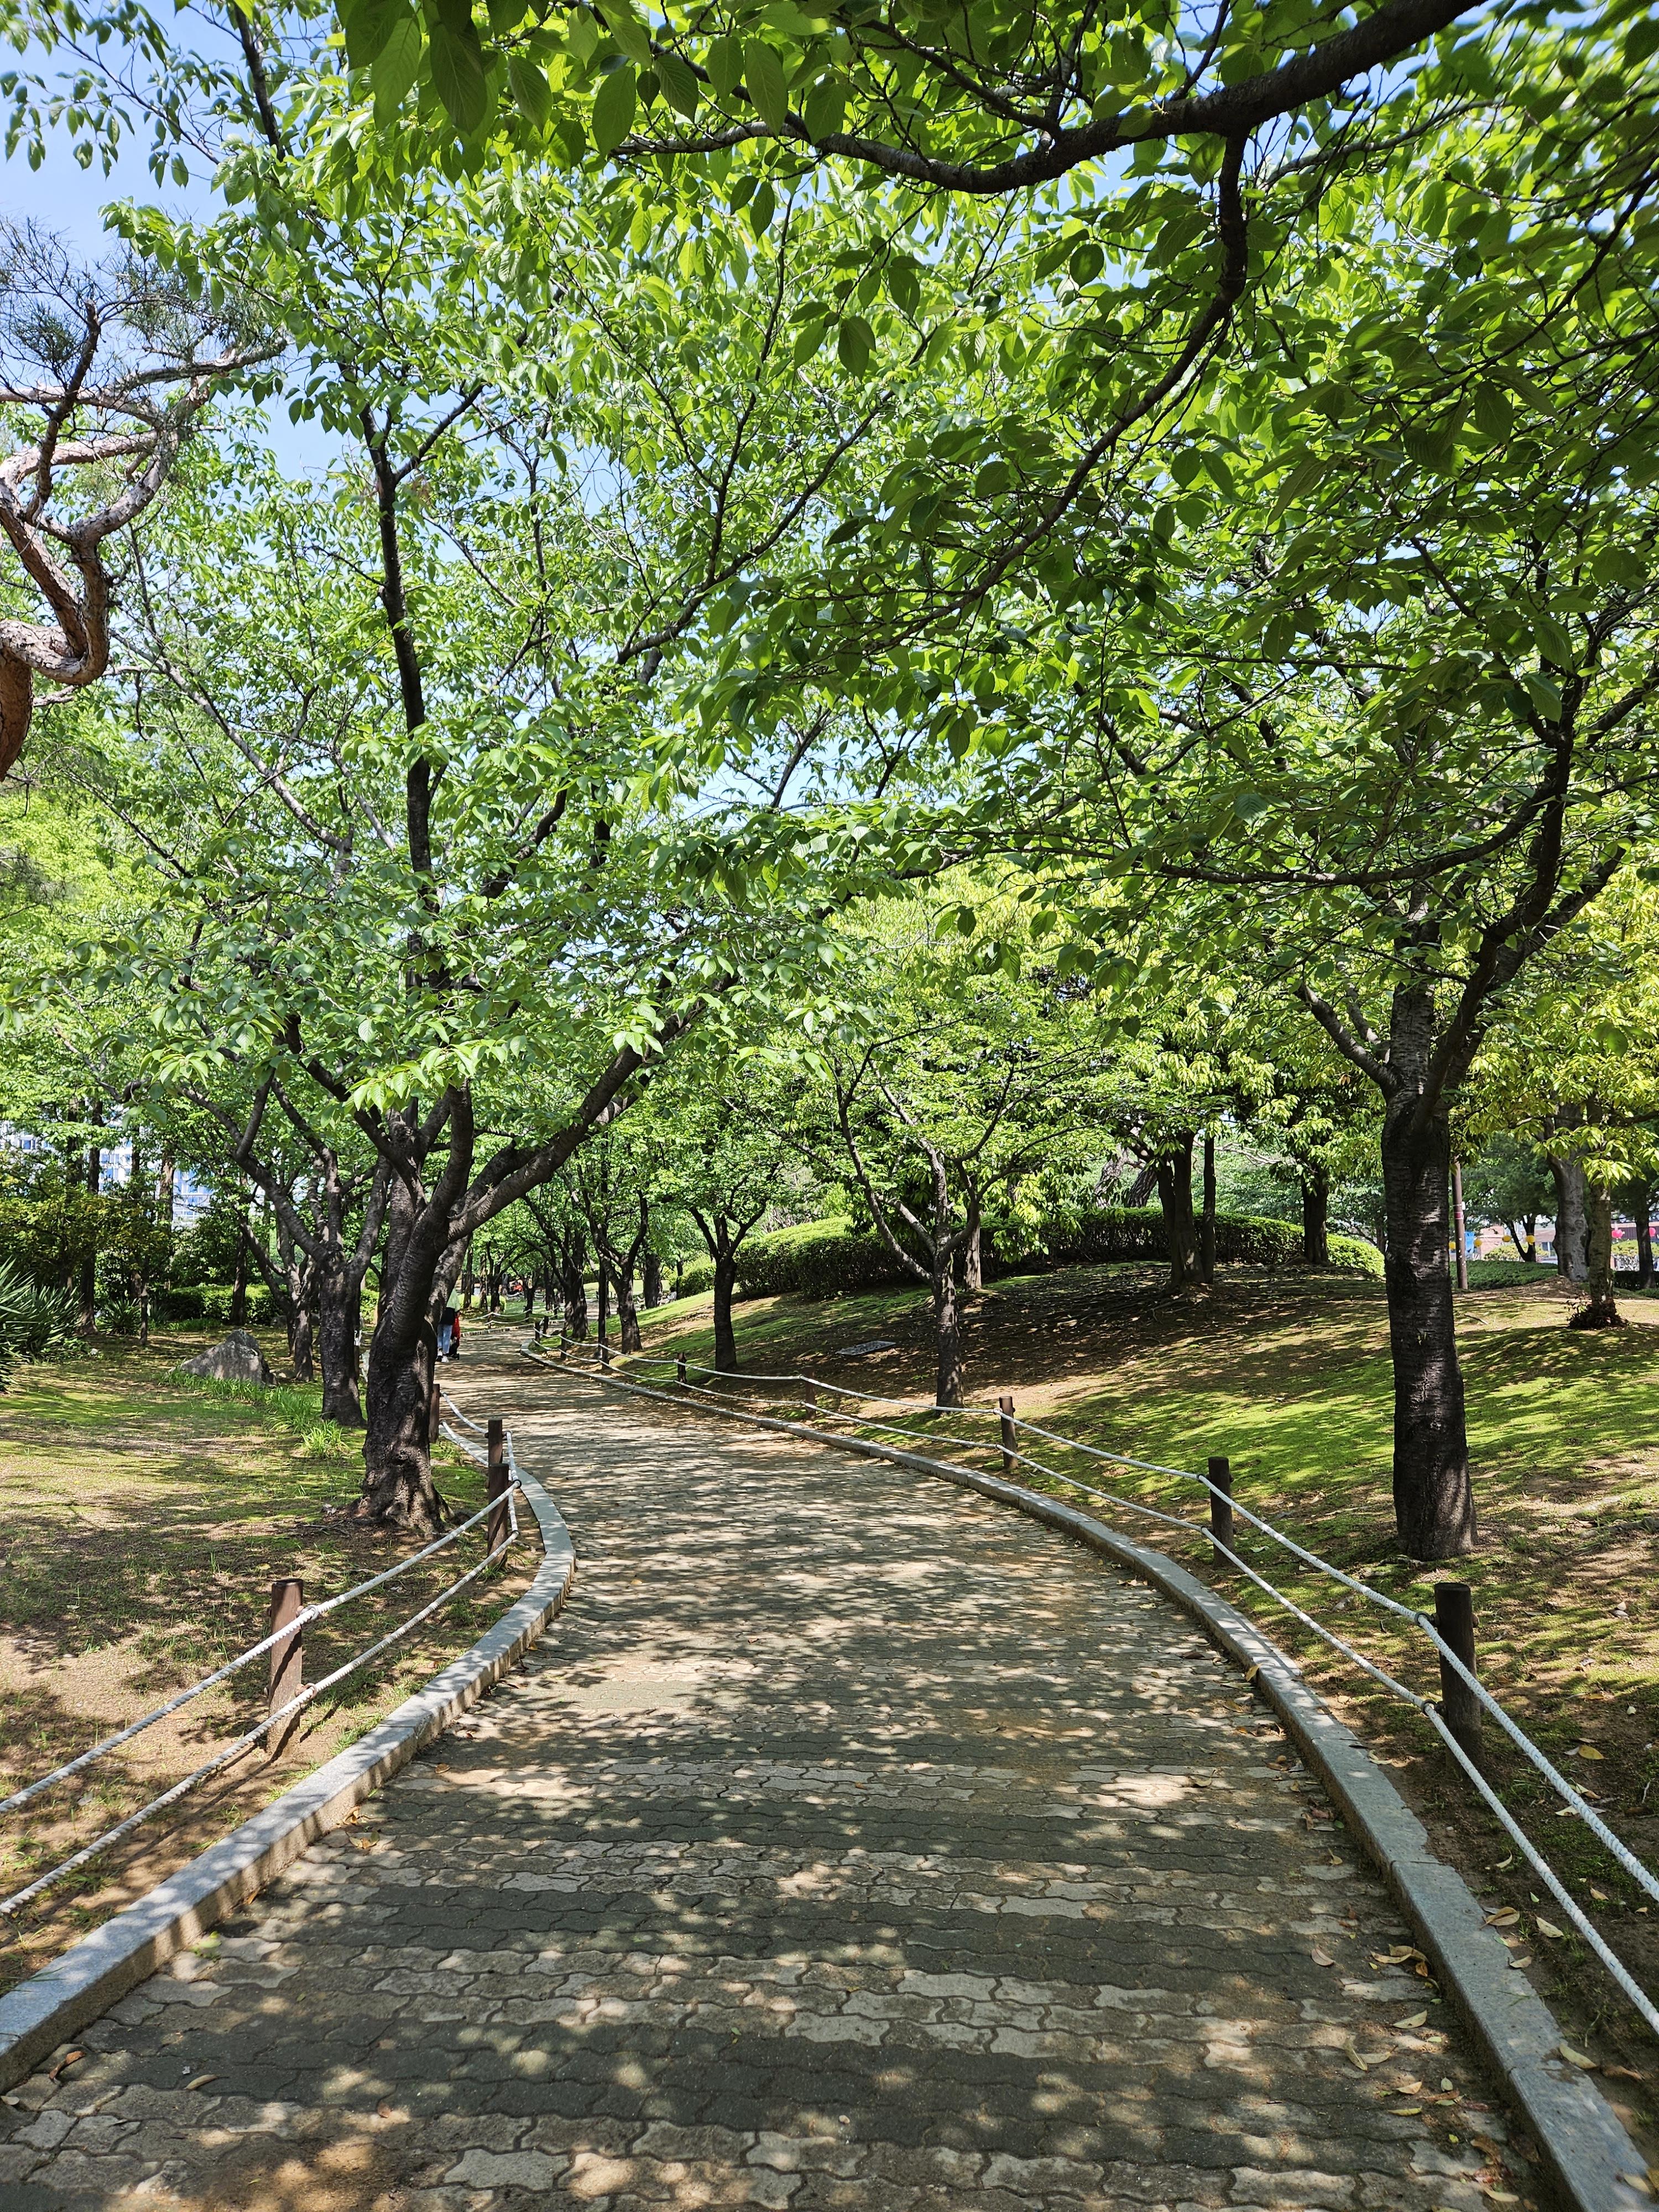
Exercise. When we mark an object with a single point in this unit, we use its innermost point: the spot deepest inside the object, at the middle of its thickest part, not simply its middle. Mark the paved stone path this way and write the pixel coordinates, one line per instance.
(850, 1842)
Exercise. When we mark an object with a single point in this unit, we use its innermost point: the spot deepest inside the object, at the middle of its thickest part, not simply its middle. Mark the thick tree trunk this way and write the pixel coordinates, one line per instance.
(1600, 1311)
(726, 1337)
(1206, 1222)
(947, 1325)
(1572, 1218)
(1316, 1214)
(1644, 1240)
(403, 1359)
(653, 1271)
(1433, 1501)
(302, 1340)
(604, 1275)
(1174, 1196)
(628, 1316)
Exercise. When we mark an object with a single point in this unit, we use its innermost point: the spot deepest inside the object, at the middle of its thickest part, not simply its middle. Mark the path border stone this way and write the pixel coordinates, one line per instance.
(90, 1977)
(1585, 2146)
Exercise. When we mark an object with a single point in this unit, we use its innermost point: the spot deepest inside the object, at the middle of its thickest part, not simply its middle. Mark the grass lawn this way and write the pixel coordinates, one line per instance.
(1289, 1376)
(144, 1519)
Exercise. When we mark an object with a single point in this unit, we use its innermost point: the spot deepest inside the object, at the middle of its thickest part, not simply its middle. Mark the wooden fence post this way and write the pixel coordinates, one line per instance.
(1006, 1424)
(679, 1369)
(288, 1596)
(1454, 1616)
(498, 1527)
(1221, 1508)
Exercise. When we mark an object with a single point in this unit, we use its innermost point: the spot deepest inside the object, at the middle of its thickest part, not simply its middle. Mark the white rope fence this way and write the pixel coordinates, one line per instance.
(811, 1387)
(279, 1715)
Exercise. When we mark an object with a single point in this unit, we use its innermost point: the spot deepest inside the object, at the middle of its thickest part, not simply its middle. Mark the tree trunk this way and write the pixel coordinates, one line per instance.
(1459, 1228)
(627, 1317)
(1174, 1196)
(574, 1289)
(1644, 1241)
(973, 1248)
(339, 1310)
(302, 1340)
(604, 1275)
(947, 1325)
(1433, 1501)
(1600, 1311)
(726, 1283)
(1207, 1223)
(239, 1286)
(403, 1359)
(1316, 1214)
(653, 1270)
(88, 1318)
(1142, 1187)
(1571, 1223)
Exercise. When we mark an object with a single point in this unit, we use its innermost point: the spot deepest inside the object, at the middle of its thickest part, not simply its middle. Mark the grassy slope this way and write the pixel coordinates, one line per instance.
(1290, 1377)
(145, 1521)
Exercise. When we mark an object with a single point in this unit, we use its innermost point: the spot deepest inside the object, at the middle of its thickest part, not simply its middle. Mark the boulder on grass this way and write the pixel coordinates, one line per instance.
(238, 1359)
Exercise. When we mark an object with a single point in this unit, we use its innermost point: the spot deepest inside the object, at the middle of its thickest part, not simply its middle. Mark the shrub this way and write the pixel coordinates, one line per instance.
(816, 1260)
(1354, 1252)
(1091, 1235)
(695, 1280)
(33, 1322)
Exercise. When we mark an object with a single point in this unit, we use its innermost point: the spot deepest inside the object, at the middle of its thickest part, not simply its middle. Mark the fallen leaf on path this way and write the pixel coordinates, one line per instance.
(1588, 1751)
(1576, 2058)
(64, 2063)
(201, 2080)
(1600, 1895)
(1322, 1958)
(1416, 2020)
(1406, 2112)
(1505, 1916)
(1548, 1927)
(1624, 2073)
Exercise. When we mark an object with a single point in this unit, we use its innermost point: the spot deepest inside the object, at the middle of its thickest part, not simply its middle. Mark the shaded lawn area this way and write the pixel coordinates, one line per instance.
(1289, 1377)
(144, 1519)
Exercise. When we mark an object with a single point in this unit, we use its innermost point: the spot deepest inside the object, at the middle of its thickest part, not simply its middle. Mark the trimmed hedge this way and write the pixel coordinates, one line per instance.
(1355, 1253)
(209, 1302)
(824, 1258)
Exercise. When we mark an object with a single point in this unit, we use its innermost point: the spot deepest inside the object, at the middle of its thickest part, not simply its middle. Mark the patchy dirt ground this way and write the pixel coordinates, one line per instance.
(143, 1523)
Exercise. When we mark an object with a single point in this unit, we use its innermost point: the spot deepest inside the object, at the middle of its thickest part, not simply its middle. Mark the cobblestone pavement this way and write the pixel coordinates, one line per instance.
(850, 1842)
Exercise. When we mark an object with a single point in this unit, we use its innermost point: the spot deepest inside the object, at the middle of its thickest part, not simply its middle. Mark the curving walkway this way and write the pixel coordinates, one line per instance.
(850, 1842)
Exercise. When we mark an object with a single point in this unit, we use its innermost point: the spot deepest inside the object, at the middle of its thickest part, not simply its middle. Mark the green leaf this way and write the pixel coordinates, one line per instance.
(1302, 477)
(762, 209)
(825, 108)
(1553, 641)
(396, 68)
(725, 64)
(530, 91)
(1544, 695)
(368, 28)
(628, 33)
(679, 83)
(457, 70)
(762, 72)
(856, 341)
(613, 110)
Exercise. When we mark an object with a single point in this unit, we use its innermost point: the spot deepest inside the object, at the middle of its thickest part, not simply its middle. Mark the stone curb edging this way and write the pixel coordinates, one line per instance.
(93, 1974)
(1584, 2142)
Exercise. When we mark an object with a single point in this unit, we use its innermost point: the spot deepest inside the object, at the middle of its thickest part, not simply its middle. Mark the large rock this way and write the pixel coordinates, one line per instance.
(238, 1359)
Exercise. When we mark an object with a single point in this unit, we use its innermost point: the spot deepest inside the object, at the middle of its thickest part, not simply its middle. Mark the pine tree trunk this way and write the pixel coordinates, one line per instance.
(1600, 1311)
(726, 1337)
(1433, 1500)
(1317, 1215)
